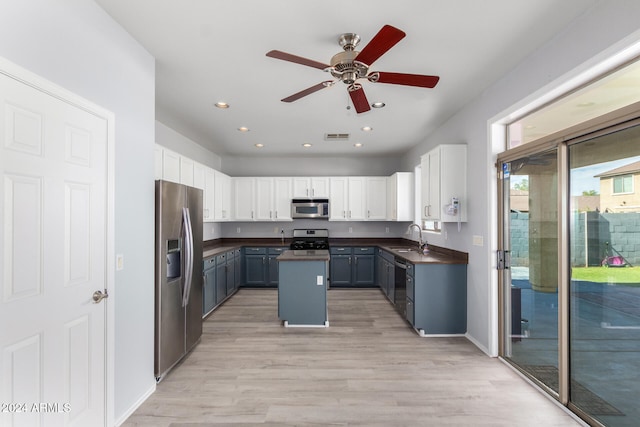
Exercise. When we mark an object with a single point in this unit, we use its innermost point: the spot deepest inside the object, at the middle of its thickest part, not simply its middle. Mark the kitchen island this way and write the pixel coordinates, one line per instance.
(302, 288)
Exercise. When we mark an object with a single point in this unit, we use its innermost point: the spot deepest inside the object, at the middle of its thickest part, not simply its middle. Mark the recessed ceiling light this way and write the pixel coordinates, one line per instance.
(259, 145)
(243, 129)
(357, 144)
(221, 105)
(306, 145)
(378, 104)
(367, 128)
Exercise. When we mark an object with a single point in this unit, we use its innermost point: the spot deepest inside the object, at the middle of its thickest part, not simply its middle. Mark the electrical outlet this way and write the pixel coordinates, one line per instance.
(119, 262)
(275, 230)
(386, 229)
(319, 280)
(350, 229)
(238, 230)
(478, 241)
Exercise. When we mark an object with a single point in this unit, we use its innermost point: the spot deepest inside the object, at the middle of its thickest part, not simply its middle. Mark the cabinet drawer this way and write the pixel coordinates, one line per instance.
(221, 259)
(364, 251)
(230, 255)
(255, 251)
(277, 251)
(237, 252)
(208, 263)
(410, 270)
(340, 250)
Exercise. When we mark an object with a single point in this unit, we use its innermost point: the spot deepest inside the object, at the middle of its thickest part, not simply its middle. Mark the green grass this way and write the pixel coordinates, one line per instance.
(614, 275)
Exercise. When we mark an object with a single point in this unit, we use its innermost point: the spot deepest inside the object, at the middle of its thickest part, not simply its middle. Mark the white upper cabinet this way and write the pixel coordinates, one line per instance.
(310, 187)
(376, 196)
(170, 166)
(243, 196)
(222, 197)
(400, 196)
(347, 199)
(158, 153)
(282, 195)
(186, 171)
(209, 191)
(444, 177)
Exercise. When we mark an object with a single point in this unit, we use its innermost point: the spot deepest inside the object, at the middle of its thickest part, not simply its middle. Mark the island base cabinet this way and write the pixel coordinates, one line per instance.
(439, 299)
(302, 293)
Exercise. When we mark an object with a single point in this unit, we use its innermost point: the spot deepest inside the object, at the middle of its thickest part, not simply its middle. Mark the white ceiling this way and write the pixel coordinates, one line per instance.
(213, 50)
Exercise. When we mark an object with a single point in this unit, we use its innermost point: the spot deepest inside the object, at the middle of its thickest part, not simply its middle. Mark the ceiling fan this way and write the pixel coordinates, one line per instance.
(351, 65)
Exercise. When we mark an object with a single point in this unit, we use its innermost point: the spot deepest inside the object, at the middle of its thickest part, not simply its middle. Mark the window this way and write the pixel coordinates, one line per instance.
(623, 184)
(431, 226)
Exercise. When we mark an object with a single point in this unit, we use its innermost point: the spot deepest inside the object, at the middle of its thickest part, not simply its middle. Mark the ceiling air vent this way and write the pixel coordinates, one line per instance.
(336, 136)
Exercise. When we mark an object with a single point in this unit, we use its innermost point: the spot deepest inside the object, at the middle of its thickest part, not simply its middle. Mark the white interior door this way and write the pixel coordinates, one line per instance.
(53, 213)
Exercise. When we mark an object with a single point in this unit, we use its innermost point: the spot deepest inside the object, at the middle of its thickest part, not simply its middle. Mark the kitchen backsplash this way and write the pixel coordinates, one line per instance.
(273, 229)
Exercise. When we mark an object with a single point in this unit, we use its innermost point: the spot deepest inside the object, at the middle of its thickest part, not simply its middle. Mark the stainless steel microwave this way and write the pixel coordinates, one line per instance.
(308, 208)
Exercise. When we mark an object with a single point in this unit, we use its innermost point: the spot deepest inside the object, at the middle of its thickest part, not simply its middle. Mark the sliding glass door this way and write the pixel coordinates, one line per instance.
(604, 349)
(531, 280)
(570, 277)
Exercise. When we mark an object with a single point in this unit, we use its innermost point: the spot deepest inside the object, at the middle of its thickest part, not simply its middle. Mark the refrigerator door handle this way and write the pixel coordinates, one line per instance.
(188, 239)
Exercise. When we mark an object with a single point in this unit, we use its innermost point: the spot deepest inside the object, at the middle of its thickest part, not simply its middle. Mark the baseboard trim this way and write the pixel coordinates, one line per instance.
(136, 405)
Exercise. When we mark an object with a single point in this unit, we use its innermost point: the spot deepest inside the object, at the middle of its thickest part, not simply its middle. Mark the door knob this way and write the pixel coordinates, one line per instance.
(99, 296)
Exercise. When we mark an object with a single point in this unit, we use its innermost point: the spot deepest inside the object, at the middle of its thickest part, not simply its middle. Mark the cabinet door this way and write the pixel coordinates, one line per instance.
(264, 195)
(363, 270)
(237, 266)
(158, 162)
(209, 195)
(243, 196)
(340, 270)
(301, 187)
(357, 210)
(282, 199)
(222, 194)
(221, 282)
(338, 200)
(430, 193)
(186, 171)
(376, 198)
(170, 166)
(273, 272)
(320, 187)
(231, 273)
(209, 288)
(255, 270)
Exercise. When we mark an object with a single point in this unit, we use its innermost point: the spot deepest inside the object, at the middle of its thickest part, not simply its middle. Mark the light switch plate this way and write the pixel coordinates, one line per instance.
(478, 241)
(119, 262)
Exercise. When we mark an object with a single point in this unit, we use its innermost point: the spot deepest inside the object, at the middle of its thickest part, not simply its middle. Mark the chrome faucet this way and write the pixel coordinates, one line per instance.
(420, 243)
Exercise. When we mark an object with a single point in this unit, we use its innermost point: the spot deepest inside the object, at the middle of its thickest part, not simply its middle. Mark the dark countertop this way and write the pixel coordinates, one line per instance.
(436, 255)
(304, 255)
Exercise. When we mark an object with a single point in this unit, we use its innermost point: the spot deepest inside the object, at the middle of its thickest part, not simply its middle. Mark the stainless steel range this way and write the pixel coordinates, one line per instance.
(310, 239)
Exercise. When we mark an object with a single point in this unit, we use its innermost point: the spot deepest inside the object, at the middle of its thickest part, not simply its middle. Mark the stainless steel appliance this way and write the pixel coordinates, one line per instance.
(310, 239)
(178, 275)
(310, 208)
(400, 298)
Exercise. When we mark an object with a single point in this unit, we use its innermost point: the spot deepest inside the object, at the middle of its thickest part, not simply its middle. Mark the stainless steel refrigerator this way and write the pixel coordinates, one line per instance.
(178, 273)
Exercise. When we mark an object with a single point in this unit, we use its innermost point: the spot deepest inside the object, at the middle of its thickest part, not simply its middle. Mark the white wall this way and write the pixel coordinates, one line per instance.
(75, 44)
(606, 29)
(174, 141)
(307, 166)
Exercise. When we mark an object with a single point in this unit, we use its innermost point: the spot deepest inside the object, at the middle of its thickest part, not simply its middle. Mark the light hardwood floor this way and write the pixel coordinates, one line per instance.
(368, 369)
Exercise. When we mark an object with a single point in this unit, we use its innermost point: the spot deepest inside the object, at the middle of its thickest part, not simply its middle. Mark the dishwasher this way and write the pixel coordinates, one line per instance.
(400, 300)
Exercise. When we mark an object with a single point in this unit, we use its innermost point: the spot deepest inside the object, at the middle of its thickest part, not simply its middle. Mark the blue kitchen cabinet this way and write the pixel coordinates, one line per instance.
(237, 266)
(255, 266)
(385, 273)
(272, 267)
(221, 278)
(209, 285)
(230, 272)
(352, 266)
(438, 293)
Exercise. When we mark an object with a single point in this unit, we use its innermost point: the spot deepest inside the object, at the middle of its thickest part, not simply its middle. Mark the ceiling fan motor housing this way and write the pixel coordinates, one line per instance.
(345, 69)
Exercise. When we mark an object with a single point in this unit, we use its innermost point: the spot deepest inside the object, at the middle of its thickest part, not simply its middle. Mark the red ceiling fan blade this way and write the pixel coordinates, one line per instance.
(308, 91)
(296, 59)
(404, 79)
(358, 98)
(386, 38)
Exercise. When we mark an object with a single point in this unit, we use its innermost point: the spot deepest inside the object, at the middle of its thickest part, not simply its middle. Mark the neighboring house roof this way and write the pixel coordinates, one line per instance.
(622, 170)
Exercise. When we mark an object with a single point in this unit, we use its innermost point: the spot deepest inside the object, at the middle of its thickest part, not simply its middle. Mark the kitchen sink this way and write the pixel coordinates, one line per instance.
(403, 250)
